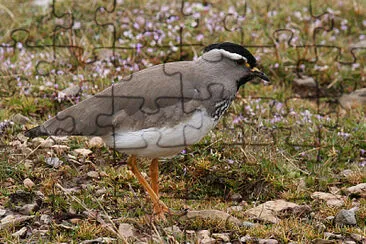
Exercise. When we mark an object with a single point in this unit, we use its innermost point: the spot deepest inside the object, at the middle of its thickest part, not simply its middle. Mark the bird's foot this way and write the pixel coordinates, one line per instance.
(161, 210)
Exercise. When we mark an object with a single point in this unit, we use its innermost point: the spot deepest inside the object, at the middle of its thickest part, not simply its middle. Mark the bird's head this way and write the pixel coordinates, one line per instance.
(233, 61)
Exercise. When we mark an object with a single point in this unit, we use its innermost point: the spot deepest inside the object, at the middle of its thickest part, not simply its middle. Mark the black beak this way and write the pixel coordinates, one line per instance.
(256, 72)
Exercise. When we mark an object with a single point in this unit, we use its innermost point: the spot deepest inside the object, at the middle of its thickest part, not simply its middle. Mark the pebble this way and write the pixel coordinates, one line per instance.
(28, 209)
(173, 230)
(330, 235)
(357, 237)
(83, 151)
(225, 237)
(235, 209)
(28, 183)
(248, 224)
(54, 162)
(96, 142)
(126, 230)
(320, 227)
(93, 174)
(322, 241)
(202, 234)
(267, 241)
(100, 192)
(345, 217)
(45, 218)
(20, 119)
(236, 197)
(20, 233)
(208, 240)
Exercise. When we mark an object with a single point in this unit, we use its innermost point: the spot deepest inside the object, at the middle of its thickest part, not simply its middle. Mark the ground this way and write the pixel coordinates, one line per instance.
(288, 140)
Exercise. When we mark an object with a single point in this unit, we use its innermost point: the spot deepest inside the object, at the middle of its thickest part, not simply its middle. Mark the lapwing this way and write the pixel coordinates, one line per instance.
(160, 110)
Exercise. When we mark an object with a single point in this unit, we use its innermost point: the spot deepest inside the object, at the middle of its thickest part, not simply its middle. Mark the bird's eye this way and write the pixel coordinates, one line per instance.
(240, 61)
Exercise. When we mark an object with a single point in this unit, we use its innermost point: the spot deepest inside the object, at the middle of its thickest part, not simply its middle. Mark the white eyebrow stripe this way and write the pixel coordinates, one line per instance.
(233, 56)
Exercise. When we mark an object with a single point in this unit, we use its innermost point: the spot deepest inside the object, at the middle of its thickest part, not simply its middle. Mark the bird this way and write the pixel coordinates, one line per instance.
(160, 110)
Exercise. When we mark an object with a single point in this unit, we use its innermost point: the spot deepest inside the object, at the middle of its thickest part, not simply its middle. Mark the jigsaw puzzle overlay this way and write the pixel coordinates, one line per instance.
(72, 50)
(123, 71)
(59, 51)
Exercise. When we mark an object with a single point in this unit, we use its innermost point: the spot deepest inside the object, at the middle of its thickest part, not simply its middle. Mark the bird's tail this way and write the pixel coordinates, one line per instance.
(36, 131)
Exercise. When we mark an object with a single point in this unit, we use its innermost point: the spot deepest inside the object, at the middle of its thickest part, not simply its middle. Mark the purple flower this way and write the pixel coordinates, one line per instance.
(138, 47)
(363, 152)
(238, 119)
(344, 135)
(199, 37)
(362, 163)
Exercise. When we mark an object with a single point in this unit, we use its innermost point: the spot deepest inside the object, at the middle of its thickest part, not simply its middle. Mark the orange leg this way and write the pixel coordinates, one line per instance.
(159, 207)
(154, 175)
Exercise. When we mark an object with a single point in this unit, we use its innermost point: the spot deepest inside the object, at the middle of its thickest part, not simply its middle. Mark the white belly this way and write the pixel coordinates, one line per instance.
(164, 141)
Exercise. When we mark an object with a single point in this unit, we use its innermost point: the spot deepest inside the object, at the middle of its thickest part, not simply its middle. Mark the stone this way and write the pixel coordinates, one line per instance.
(359, 44)
(96, 142)
(332, 200)
(235, 209)
(209, 240)
(246, 238)
(349, 242)
(54, 162)
(322, 241)
(248, 224)
(71, 91)
(357, 237)
(2, 212)
(83, 151)
(353, 100)
(305, 81)
(345, 217)
(329, 218)
(268, 211)
(359, 189)
(320, 227)
(190, 234)
(100, 240)
(13, 220)
(28, 183)
(173, 230)
(28, 209)
(45, 218)
(225, 237)
(346, 172)
(20, 119)
(60, 139)
(20, 233)
(126, 230)
(202, 234)
(236, 197)
(60, 148)
(39, 141)
(28, 164)
(330, 235)
(74, 220)
(93, 174)
(48, 143)
(267, 241)
(100, 192)
(335, 203)
(213, 215)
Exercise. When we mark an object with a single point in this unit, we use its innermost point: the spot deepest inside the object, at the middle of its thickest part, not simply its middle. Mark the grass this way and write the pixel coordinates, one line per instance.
(271, 139)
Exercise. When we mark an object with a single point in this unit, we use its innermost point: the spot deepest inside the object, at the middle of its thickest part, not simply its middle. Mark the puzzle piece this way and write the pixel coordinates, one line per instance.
(133, 43)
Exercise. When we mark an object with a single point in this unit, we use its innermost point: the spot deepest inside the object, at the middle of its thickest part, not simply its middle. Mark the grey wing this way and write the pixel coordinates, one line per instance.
(152, 97)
